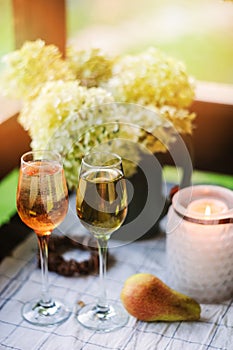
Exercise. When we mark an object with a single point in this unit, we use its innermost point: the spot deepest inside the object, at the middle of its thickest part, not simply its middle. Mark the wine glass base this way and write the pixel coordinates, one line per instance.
(92, 317)
(41, 314)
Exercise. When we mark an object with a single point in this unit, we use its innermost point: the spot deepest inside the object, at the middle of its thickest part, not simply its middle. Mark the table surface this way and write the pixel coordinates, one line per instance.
(20, 282)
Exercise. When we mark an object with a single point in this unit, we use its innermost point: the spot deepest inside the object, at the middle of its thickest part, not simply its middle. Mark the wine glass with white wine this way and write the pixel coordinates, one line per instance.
(42, 204)
(101, 205)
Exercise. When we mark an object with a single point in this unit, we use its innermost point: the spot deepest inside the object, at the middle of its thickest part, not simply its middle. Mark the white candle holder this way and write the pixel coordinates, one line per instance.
(199, 245)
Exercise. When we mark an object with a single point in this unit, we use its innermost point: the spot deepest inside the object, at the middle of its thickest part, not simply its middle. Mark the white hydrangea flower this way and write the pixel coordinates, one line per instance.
(32, 65)
(90, 100)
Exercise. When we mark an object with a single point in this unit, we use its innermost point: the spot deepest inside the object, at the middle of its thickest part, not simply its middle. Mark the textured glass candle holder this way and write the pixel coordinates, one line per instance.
(199, 246)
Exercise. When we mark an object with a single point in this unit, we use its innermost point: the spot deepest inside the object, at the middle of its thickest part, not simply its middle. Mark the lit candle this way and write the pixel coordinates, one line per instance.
(207, 206)
(200, 243)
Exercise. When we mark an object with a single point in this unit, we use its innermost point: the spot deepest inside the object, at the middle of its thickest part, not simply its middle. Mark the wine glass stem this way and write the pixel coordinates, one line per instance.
(102, 248)
(43, 248)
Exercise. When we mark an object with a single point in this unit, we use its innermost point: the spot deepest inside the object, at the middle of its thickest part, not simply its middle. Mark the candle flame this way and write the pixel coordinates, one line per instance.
(207, 210)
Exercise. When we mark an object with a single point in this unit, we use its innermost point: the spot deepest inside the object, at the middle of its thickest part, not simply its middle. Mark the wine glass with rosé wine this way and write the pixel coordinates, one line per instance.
(101, 205)
(42, 204)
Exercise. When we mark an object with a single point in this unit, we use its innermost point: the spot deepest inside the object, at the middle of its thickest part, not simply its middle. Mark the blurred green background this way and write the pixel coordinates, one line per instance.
(200, 32)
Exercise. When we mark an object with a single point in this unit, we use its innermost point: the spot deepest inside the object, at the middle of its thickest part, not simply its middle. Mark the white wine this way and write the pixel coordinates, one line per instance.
(101, 201)
(101, 205)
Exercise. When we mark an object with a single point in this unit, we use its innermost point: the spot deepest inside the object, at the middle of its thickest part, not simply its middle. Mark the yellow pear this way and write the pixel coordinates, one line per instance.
(147, 298)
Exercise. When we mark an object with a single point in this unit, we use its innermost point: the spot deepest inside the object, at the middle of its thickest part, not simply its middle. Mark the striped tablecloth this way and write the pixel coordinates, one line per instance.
(20, 282)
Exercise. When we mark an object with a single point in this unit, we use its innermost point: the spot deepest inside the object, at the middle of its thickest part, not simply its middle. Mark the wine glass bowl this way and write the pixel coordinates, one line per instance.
(101, 197)
(42, 204)
(101, 205)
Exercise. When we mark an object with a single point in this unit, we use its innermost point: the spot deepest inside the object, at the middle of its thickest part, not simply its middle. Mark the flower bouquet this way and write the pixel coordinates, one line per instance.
(89, 99)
